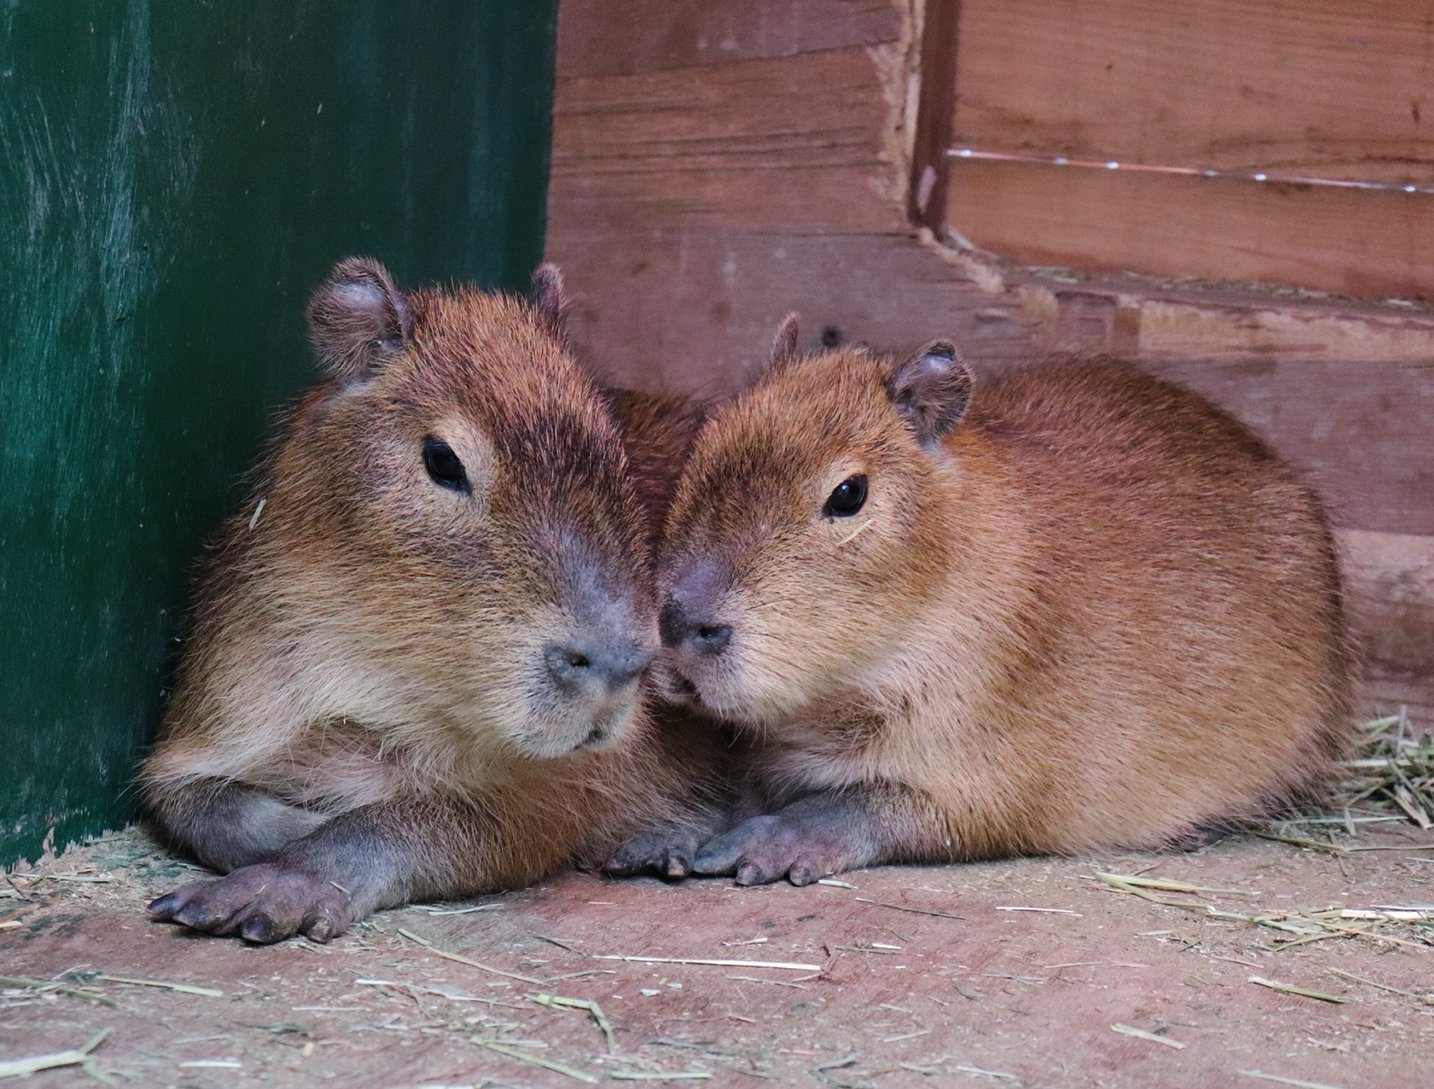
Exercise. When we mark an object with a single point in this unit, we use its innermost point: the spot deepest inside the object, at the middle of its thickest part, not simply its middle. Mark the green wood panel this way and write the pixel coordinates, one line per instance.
(174, 178)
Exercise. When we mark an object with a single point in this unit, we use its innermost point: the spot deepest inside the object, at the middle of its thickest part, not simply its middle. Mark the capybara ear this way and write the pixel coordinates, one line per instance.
(548, 298)
(358, 319)
(784, 344)
(931, 391)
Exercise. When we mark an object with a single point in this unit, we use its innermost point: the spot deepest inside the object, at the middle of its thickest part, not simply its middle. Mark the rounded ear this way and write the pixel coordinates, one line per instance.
(931, 391)
(548, 298)
(358, 319)
(784, 344)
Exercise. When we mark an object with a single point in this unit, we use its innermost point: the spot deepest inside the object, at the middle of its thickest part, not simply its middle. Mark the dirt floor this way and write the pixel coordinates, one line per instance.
(1026, 973)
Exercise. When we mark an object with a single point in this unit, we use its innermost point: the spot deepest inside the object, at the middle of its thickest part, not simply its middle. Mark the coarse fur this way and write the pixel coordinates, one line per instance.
(365, 712)
(1080, 608)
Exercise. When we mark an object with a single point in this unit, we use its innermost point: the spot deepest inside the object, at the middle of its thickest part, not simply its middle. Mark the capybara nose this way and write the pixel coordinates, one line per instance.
(583, 664)
(704, 636)
(689, 615)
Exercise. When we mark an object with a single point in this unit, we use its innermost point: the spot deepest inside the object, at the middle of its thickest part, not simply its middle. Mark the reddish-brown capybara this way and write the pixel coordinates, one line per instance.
(413, 666)
(1073, 607)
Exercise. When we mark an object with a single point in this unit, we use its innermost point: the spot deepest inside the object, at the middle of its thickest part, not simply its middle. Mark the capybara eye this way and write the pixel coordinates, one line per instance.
(444, 466)
(846, 498)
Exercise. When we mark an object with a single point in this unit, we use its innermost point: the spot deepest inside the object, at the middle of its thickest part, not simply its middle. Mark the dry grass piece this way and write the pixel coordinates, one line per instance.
(1141, 1034)
(1396, 768)
(553, 1001)
(1290, 988)
(533, 1060)
(458, 958)
(80, 1056)
(182, 988)
(50, 986)
(781, 965)
(642, 1075)
(1301, 1083)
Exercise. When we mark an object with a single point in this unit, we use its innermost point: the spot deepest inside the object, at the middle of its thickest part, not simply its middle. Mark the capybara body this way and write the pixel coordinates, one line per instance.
(1073, 608)
(413, 666)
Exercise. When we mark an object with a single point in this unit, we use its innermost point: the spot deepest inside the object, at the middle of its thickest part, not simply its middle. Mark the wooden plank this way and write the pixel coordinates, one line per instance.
(1340, 240)
(1391, 603)
(929, 166)
(1339, 88)
(696, 309)
(787, 140)
(598, 37)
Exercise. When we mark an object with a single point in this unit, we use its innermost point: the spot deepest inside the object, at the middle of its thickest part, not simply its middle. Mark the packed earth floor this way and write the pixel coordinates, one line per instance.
(1307, 961)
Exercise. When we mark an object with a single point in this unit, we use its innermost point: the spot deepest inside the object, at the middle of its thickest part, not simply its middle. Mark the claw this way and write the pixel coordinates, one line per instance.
(262, 904)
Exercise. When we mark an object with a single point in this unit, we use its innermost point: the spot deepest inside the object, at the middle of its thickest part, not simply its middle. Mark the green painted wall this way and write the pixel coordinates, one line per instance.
(175, 177)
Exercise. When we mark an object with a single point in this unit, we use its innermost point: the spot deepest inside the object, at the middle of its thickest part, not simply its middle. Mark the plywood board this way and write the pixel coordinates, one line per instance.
(1340, 88)
(764, 141)
(1338, 240)
(659, 35)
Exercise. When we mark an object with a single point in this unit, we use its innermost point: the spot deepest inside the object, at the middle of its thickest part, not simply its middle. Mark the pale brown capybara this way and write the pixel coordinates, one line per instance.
(1074, 607)
(413, 666)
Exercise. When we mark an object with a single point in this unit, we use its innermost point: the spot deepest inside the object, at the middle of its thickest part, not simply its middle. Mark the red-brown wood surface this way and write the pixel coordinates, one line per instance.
(1312, 88)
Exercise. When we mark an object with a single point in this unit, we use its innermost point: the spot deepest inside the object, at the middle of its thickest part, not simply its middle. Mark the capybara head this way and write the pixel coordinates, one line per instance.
(807, 529)
(464, 491)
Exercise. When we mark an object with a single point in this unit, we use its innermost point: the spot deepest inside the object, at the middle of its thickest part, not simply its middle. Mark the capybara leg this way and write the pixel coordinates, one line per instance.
(226, 825)
(372, 857)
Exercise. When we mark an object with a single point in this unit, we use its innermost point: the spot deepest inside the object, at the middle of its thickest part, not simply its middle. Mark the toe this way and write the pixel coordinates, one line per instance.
(679, 864)
(164, 907)
(755, 873)
(805, 873)
(261, 928)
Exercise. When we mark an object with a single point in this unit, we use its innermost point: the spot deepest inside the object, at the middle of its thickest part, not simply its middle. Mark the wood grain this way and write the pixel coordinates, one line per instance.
(696, 310)
(1390, 579)
(1340, 240)
(762, 141)
(1339, 88)
(604, 39)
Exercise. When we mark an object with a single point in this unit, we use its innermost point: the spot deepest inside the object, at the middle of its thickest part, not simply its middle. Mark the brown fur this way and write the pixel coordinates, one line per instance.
(362, 704)
(1097, 613)
(659, 430)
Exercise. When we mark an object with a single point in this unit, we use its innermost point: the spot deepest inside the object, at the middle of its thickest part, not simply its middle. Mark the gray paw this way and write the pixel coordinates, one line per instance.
(667, 852)
(262, 904)
(766, 849)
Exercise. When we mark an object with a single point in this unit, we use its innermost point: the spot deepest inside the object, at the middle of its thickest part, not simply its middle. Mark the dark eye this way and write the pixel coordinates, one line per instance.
(846, 498)
(443, 465)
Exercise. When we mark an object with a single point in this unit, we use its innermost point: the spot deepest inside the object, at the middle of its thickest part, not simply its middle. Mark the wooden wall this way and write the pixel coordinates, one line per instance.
(1209, 110)
(715, 165)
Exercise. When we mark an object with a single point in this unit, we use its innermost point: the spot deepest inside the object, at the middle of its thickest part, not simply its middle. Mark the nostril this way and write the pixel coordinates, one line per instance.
(566, 665)
(592, 664)
(711, 638)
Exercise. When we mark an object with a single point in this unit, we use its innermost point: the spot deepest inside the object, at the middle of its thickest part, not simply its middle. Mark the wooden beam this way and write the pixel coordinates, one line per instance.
(929, 164)
(1339, 88)
(1224, 229)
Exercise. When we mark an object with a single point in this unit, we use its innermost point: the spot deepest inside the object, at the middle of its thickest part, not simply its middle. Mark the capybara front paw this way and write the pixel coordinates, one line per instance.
(262, 904)
(766, 849)
(667, 852)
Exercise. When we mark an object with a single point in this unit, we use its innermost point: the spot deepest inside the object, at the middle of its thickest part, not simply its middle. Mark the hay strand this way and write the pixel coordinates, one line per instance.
(534, 1060)
(1141, 1034)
